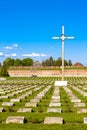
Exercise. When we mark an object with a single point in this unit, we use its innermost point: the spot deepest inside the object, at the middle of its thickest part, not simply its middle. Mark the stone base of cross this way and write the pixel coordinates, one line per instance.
(61, 83)
(62, 38)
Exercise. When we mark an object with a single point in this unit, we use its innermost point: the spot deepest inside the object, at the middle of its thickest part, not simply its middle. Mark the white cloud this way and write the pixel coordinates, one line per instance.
(26, 55)
(34, 55)
(7, 55)
(43, 55)
(1, 54)
(15, 45)
(11, 55)
(8, 48)
(14, 55)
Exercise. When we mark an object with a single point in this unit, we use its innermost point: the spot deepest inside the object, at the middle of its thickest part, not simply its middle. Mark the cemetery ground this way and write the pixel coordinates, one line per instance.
(36, 104)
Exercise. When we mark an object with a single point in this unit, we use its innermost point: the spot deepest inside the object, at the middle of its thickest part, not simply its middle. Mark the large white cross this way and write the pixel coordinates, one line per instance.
(63, 38)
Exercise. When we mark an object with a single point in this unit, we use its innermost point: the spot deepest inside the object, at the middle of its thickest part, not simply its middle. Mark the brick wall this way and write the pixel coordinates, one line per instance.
(28, 73)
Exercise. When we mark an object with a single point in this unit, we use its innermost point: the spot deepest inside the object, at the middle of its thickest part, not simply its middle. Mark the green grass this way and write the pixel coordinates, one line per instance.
(47, 68)
(42, 127)
(35, 119)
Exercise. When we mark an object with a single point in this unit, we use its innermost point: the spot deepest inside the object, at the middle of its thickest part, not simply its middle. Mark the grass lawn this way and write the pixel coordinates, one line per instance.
(35, 119)
(42, 127)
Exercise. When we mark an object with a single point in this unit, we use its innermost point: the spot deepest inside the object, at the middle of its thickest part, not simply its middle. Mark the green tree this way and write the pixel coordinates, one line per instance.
(48, 62)
(3, 71)
(51, 61)
(43, 63)
(58, 62)
(55, 63)
(65, 63)
(8, 62)
(0, 64)
(18, 62)
(70, 63)
(27, 62)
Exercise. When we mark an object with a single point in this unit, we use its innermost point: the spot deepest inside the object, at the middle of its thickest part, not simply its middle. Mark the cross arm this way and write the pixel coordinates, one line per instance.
(55, 37)
(69, 37)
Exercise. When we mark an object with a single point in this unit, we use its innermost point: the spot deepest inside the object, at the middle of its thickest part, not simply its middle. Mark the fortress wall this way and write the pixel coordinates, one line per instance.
(28, 73)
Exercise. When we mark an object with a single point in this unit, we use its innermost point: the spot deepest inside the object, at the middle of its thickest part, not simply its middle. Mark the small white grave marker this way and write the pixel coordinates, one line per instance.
(7, 104)
(25, 110)
(85, 120)
(58, 110)
(53, 120)
(15, 119)
(1, 109)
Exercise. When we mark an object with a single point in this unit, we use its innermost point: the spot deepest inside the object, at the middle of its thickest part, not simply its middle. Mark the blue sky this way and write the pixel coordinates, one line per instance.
(27, 27)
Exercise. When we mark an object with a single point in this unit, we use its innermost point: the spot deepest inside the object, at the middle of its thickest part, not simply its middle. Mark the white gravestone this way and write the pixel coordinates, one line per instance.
(58, 110)
(15, 119)
(1, 109)
(85, 120)
(53, 120)
(25, 110)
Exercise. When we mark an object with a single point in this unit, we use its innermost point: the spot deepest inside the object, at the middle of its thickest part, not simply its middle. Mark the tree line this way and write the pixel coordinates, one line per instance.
(30, 62)
(18, 62)
(58, 62)
(14, 62)
(9, 62)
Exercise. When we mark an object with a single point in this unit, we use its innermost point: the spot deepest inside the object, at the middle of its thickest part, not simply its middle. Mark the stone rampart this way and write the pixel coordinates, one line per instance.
(50, 73)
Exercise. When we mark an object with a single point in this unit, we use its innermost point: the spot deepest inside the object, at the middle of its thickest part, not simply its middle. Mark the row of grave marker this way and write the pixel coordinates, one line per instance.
(48, 120)
(54, 102)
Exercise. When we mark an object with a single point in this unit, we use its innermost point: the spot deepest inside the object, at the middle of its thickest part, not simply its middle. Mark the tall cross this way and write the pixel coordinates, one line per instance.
(62, 38)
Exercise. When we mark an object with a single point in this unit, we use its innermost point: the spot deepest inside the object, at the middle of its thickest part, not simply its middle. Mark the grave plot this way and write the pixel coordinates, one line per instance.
(50, 104)
(45, 97)
(79, 90)
(54, 107)
(77, 102)
(35, 88)
(81, 107)
(72, 97)
(23, 96)
(33, 102)
(14, 101)
(55, 101)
